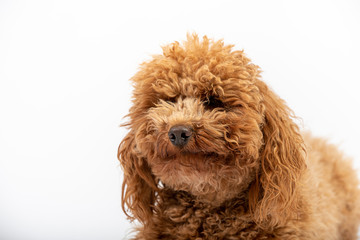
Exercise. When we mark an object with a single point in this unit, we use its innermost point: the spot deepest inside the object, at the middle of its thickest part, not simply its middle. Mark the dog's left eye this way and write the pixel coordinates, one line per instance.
(213, 102)
(173, 99)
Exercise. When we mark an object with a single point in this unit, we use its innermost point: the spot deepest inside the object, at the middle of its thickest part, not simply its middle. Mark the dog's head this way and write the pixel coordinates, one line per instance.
(203, 122)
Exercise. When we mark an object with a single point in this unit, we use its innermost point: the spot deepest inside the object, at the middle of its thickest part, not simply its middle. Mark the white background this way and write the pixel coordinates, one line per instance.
(64, 70)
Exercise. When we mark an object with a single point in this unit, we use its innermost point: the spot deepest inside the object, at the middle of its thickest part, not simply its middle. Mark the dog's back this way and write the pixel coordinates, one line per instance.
(331, 189)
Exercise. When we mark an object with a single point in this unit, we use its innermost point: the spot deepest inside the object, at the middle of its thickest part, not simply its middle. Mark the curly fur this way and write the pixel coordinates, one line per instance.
(246, 173)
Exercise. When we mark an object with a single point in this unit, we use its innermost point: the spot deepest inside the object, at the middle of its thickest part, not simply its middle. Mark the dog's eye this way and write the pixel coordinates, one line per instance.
(213, 102)
(173, 99)
(237, 106)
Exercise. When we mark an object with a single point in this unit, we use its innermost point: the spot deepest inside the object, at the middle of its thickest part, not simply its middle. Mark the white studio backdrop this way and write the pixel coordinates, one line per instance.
(64, 71)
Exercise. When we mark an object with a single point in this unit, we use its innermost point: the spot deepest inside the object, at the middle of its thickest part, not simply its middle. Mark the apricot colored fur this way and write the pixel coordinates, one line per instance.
(246, 173)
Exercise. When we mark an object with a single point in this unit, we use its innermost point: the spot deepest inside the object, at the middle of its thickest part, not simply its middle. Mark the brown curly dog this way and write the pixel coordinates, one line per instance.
(213, 153)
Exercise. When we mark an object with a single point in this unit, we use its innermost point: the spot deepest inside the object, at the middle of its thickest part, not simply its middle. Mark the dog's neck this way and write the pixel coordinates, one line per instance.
(213, 201)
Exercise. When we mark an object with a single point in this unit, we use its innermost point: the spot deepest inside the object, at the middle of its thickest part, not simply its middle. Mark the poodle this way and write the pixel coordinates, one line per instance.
(213, 153)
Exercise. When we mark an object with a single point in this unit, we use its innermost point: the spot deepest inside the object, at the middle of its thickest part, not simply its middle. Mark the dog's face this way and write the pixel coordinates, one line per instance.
(204, 137)
(203, 122)
(201, 130)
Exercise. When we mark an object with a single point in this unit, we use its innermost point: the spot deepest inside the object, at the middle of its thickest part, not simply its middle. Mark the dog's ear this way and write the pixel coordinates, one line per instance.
(139, 187)
(274, 197)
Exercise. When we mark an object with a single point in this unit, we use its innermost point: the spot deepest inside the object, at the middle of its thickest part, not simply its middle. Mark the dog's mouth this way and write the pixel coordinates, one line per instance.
(195, 155)
(186, 157)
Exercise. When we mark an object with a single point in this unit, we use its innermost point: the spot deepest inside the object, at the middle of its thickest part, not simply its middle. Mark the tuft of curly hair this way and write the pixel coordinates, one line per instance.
(213, 153)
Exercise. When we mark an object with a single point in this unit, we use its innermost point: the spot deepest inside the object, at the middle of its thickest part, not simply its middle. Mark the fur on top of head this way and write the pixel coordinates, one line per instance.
(203, 122)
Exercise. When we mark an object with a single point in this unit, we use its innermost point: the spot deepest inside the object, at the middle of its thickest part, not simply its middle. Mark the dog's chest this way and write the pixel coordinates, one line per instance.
(200, 222)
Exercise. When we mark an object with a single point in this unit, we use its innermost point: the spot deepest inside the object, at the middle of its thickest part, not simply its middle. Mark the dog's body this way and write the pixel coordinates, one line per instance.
(328, 211)
(213, 153)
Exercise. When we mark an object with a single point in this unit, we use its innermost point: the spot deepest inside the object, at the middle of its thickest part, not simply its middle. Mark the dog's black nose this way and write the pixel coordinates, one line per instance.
(180, 135)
